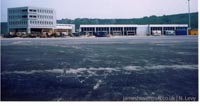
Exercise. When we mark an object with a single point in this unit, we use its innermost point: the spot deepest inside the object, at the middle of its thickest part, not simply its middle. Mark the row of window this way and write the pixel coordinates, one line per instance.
(31, 22)
(31, 10)
(181, 28)
(14, 11)
(18, 23)
(30, 16)
(45, 17)
(15, 17)
(168, 28)
(128, 28)
(45, 11)
(107, 29)
(41, 22)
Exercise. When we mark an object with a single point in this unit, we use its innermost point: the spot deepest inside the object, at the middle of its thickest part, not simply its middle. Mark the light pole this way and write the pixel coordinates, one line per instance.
(189, 17)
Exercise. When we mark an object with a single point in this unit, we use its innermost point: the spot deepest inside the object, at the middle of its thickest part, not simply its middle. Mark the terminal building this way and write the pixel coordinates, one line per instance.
(31, 19)
(135, 30)
(36, 20)
(43, 20)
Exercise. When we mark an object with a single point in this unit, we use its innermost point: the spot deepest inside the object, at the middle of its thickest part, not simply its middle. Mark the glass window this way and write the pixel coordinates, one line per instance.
(24, 16)
(24, 10)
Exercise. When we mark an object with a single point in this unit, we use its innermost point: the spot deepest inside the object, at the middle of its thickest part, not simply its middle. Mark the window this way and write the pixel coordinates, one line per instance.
(32, 10)
(24, 16)
(24, 10)
(32, 16)
(181, 28)
(9, 11)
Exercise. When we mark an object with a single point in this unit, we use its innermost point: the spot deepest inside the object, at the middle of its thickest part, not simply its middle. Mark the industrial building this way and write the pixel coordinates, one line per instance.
(64, 29)
(133, 30)
(36, 20)
(168, 29)
(31, 19)
(109, 29)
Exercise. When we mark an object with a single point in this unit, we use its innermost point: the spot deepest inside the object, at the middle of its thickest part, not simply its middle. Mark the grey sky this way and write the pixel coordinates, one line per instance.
(104, 8)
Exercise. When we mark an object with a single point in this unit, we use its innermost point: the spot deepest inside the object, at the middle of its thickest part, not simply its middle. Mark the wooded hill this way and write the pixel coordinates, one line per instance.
(165, 19)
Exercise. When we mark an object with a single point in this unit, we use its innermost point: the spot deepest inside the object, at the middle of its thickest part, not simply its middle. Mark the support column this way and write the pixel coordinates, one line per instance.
(109, 30)
(123, 31)
(174, 30)
(148, 30)
(8, 29)
(28, 30)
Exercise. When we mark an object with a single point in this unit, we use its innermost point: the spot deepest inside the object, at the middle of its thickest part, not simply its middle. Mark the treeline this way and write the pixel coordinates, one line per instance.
(165, 19)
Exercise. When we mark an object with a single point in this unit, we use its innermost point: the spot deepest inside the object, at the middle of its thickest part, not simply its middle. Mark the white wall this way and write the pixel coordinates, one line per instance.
(142, 30)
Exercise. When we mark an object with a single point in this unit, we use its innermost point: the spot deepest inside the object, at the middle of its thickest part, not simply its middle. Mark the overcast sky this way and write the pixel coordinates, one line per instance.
(104, 8)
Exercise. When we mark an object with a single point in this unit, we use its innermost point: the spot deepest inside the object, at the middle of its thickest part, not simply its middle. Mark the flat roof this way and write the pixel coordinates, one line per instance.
(135, 25)
(63, 26)
(107, 25)
(168, 25)
(30, 7)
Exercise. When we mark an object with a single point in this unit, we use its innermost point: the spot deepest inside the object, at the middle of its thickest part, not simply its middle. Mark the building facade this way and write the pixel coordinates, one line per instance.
(4, 28)
(133, 30)
(109, 29)
(31, 19)
(64, 29)
(168, 29)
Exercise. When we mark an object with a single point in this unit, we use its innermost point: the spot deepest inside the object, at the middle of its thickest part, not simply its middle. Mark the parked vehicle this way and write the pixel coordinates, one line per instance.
(156, 32)
(100, 34)
(169, 32)
(181, 32)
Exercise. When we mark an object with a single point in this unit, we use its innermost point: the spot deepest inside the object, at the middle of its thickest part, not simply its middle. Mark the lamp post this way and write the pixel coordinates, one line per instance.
(189, 17)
